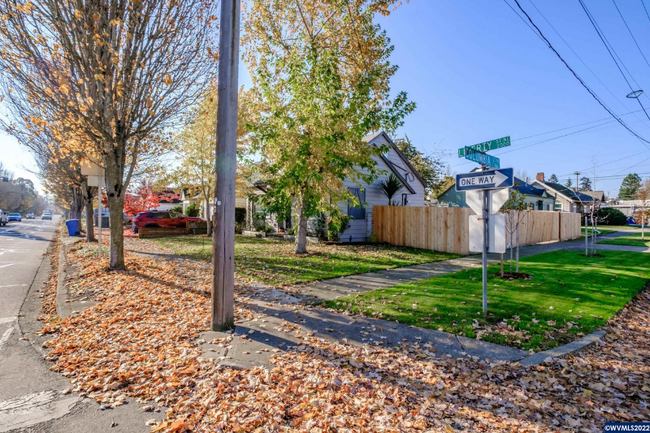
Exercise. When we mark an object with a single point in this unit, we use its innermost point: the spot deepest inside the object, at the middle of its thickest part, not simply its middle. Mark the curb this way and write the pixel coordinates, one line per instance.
(63, 307)
(564, 350)
(61, 293)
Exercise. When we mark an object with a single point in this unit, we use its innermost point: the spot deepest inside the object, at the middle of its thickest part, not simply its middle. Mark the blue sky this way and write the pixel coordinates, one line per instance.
(477, 72)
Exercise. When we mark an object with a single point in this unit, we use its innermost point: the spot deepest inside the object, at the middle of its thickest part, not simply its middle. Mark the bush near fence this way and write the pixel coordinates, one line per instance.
(447, 229)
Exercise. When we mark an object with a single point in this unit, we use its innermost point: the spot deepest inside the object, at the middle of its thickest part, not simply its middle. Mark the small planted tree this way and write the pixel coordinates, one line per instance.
(642, 213)
(390, 187)
(515, 210)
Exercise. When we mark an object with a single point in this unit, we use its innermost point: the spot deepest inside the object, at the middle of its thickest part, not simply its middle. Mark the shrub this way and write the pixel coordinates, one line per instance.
(611, 217)
(178, 209)
(193, 210)
(337, 225)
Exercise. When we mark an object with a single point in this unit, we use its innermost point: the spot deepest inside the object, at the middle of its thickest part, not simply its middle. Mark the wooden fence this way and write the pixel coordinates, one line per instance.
(447, 229)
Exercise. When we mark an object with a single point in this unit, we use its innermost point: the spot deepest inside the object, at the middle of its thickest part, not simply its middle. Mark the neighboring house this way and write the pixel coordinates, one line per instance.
(205, 210)
(369, 195)
(535, 198)
(628, 207)
(598, 196)
(566, 199)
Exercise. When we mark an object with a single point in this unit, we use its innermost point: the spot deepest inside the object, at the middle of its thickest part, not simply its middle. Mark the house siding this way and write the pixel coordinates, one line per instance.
(360, 230)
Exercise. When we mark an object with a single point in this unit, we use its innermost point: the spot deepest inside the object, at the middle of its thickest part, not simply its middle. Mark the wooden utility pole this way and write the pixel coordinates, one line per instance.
(223, 237)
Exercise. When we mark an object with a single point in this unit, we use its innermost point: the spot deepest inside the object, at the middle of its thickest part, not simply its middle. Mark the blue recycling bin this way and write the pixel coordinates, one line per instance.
(73, 227)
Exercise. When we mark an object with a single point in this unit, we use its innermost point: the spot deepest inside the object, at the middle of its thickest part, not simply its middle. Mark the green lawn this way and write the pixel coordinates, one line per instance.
(272, 260)
(568, 295)
(633, 239)
(602, 231)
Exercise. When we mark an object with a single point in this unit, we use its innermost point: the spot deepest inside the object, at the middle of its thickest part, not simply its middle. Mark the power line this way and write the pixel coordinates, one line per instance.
(631, 34)
(608, 46)
(646, 10)
(612, 52)
(576, 54)
(591, 92)
(522, 19)
(574, 126)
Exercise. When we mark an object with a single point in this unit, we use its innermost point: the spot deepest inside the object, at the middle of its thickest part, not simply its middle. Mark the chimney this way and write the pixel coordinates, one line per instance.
(540, 177)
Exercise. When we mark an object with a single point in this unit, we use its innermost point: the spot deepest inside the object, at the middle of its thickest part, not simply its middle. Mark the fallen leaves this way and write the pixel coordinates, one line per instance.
(141, 341)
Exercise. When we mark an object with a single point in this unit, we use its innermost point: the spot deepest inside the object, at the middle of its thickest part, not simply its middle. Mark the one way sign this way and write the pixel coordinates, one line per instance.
(489, 179)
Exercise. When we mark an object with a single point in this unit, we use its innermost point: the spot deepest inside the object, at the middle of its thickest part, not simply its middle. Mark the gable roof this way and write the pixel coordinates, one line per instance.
(597, 195)
(526, 188)
(371, 137)
(568, 193)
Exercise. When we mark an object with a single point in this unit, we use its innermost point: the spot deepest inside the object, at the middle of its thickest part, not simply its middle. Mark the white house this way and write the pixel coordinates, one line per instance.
(369, 195)
(393, 161)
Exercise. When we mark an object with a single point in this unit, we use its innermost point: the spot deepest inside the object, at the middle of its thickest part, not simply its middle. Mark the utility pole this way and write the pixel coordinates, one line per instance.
(223, 236)
(577, 173)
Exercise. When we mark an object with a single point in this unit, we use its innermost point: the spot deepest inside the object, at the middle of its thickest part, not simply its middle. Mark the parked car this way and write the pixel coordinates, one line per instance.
(30, 216)
(4, 218)
(47, 215)
(15, 216)
(162, 219)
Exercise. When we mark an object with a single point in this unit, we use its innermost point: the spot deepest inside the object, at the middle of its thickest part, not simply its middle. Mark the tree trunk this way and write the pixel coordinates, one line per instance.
(517, 267)
(90, 231)
(511, 256)
(586, 237)
(301, 239)
(208, 218)
(501, 265)
(114, 192)
(642, 226)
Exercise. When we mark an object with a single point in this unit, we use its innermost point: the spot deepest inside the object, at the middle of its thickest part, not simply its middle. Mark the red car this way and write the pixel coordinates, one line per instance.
(163, 219)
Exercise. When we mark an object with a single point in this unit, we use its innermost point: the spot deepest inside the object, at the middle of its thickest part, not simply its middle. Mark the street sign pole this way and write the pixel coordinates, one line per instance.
(486, 243)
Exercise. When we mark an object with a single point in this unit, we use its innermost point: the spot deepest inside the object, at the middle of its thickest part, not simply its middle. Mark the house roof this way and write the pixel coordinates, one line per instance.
(527, 189)
(568, 193)
(597, 195)
(371, 137)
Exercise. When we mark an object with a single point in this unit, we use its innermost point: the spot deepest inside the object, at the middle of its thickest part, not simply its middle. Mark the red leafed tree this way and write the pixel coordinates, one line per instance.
(143, 199)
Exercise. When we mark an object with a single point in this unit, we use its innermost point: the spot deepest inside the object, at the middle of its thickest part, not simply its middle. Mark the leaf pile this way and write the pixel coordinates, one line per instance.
(141, 341)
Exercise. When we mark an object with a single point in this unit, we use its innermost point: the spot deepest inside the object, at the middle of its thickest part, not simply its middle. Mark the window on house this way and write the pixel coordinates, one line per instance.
(357, 212)
(558, 207)
(405, 199)
(548, 206)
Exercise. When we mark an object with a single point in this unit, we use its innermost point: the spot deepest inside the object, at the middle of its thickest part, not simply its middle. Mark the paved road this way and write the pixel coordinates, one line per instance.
(34, 399)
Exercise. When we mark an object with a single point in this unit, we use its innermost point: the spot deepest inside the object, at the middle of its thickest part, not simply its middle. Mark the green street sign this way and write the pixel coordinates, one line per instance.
(487, 145)
(482, 158)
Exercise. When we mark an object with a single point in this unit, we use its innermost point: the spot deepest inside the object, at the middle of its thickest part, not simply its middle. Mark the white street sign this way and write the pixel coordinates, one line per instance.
(474, 200)
(496, 231)
(498, 199)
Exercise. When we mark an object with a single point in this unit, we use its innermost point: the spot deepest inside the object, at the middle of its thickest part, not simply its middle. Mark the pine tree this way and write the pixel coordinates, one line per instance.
(585, 184)
(629, 187)
(553, 179)
(568, 183)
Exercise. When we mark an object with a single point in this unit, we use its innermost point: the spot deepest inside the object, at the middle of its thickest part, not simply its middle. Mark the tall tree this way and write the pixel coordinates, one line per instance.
(429, 167)
(629, 187)
(553, 179)
(321, 72)
(118, 71)
(585, 183)
(196, 150)
(569, 183)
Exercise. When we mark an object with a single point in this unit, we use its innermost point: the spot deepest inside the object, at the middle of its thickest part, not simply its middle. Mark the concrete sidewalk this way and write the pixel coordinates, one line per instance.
(286, 323)
(334, 288)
